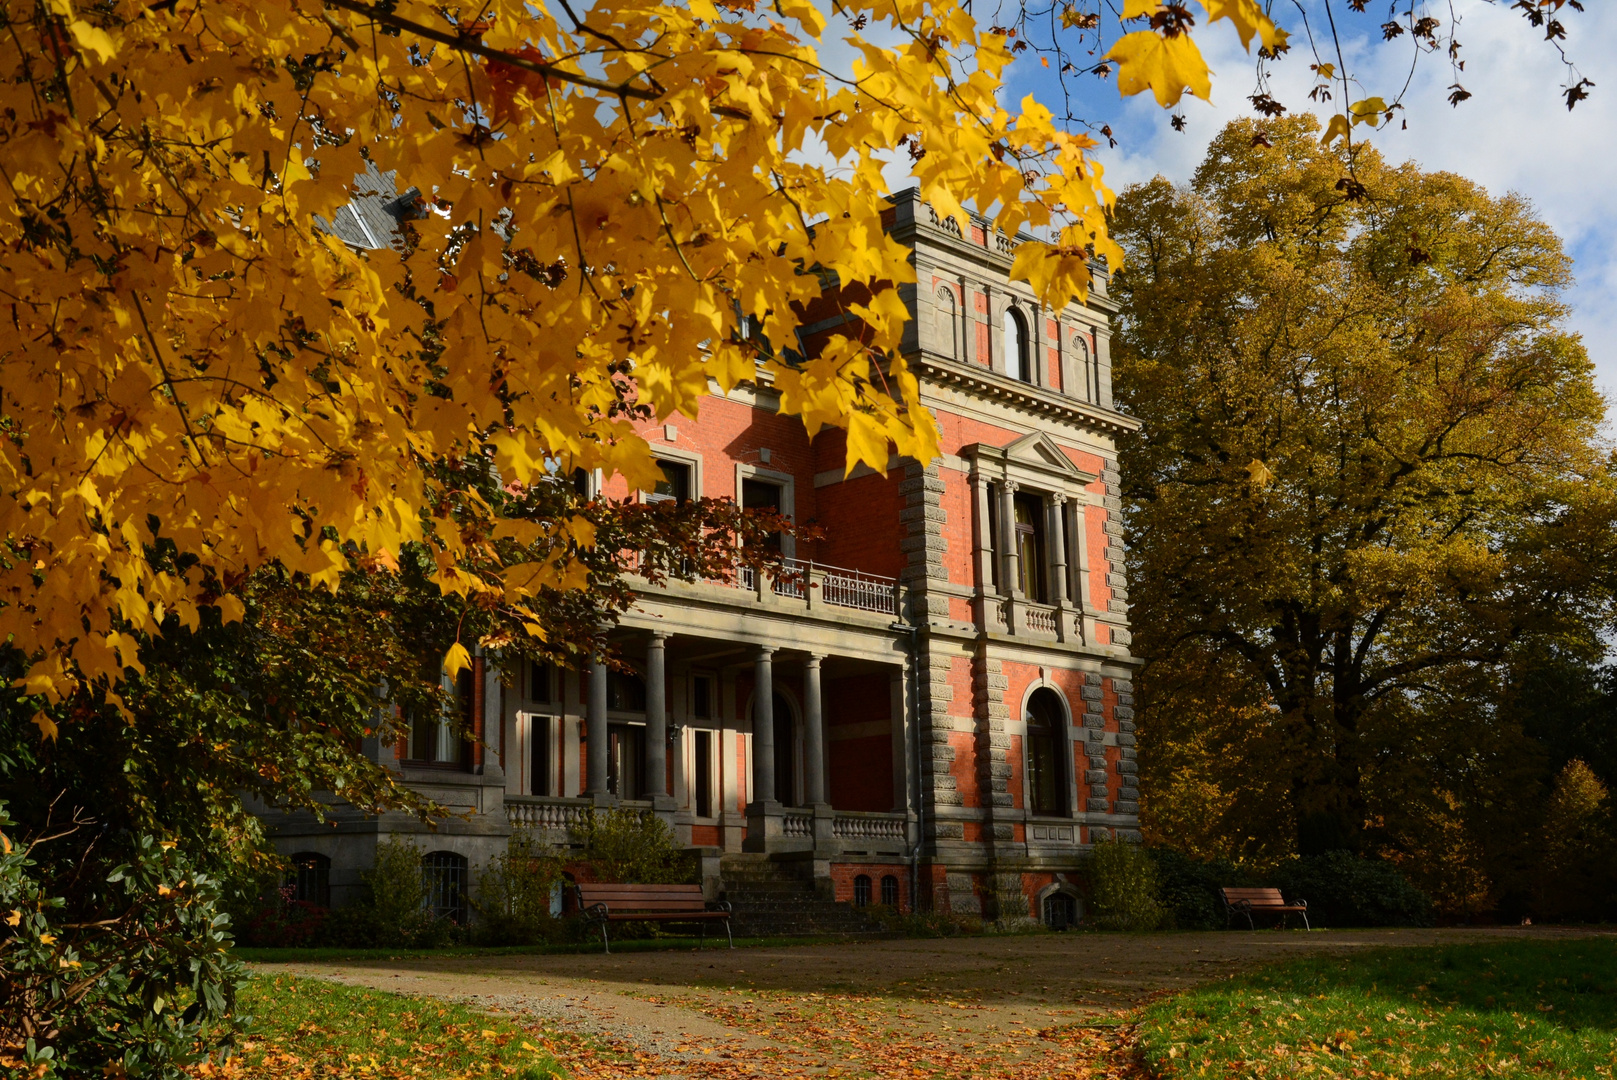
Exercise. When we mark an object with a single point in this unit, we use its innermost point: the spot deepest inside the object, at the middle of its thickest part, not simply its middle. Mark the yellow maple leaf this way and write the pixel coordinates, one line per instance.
(1249, 19)
(92, 38)
(1369, 111)
(1337, 128)
(47, 726)
(457, 660)
(1167, 66)
(1259, 473)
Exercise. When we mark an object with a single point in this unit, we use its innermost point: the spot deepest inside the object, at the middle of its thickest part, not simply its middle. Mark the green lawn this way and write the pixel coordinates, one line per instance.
(1506, 1009)
(307, 1028)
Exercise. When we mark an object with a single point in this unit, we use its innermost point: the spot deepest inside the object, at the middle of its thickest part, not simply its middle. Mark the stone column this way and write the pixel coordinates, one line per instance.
(1008, 576)
(1058, 548)
(595, 729)
(765, 816)
(656, 716)
(763, 726)
(813, 733)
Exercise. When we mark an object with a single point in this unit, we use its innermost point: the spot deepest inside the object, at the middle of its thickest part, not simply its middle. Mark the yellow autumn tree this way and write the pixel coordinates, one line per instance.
(613, 195)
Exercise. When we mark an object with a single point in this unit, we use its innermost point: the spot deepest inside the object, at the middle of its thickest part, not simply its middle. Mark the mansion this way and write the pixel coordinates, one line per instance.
(933, 711)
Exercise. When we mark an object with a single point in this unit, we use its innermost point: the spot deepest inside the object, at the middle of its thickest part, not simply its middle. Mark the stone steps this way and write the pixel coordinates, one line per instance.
(773, 899)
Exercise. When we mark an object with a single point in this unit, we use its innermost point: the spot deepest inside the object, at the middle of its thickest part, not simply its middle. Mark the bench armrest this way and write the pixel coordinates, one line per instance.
(1299, 903)
(720, 905)
(1239, 905)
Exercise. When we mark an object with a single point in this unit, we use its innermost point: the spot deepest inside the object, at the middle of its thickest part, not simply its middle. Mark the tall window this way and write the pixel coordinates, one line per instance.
(762, 495)
(539, 765)
(444, 876)
(702, 773)
(889, 890)
(1046, 778)
(861, 891)
(785, 753)
(436, 737)
(1030, 548)
(625, 692)
(947, 325)
(702, 697)
(541, 678)
(625, 750)
(1018, 358)
(310, 878)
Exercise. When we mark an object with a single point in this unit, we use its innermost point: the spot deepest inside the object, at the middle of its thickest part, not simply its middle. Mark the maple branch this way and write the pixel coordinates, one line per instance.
(168, 379)
(466, 44)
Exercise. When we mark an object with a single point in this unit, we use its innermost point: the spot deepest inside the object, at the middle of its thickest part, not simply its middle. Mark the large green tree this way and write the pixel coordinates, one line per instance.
(1370, 478)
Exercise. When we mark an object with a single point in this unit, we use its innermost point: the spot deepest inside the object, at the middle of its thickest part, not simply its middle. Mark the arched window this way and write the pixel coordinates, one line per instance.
(444, 879)
(310, 878)
(947, 324)
(889, 890)
(1018, 361)
(1060, 911)
(1046, 776)
(861, 891)
(1082, 368)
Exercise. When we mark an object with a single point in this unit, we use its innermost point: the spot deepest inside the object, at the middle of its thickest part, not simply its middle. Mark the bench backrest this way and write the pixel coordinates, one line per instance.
(653, 899)
(1258, 898)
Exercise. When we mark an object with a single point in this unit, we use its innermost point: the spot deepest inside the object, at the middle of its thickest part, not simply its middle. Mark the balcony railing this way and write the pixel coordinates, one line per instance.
(836, 586)
(543, 812)
(852, 825)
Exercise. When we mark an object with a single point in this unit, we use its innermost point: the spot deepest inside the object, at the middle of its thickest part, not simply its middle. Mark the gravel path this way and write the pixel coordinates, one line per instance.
(1029, 1005)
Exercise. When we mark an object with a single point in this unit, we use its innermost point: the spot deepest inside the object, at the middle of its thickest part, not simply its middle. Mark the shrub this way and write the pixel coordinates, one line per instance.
(1344, 890)
(514, 894)
(630, 846)
(1123, 887)
(927, 924)
(117, 970)
(1188, 888)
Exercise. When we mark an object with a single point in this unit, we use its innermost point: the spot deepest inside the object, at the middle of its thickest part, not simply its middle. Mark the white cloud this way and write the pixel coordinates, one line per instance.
(1514, 134)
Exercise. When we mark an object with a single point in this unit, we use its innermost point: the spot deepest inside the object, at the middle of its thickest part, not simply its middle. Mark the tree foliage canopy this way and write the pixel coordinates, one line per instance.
(620, 203)
(1369, 477)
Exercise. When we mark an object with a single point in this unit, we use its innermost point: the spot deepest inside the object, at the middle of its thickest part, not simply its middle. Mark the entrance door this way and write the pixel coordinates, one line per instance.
(785, 753)
(625, 750)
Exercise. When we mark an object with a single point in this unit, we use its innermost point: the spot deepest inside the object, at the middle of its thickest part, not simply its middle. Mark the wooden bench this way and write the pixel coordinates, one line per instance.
(605, 904)
(1262, 901)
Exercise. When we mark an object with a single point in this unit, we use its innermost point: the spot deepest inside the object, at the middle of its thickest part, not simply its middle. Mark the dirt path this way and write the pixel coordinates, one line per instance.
(996, 1007)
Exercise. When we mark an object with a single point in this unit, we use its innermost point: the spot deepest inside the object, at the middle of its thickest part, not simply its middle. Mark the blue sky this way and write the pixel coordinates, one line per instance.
(1514, 134)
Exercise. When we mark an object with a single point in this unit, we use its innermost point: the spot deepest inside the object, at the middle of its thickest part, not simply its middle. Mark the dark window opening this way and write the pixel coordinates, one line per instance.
(438, 738)
(1030, 550)
(993, 539)
(540, 683)
(625, 750)
(1018, 359)
(444, 875)
(702, 698)
(889, 890)
(702, 778)
(785, 754)
(763, 495)
(675, 486)
(625, 692)
(539, 767)
(1046, 777)
(581, 483)
(310, 878)
(861, 891)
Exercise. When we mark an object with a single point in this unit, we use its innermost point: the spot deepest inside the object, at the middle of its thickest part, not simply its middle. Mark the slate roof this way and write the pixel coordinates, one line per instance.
(374, 219)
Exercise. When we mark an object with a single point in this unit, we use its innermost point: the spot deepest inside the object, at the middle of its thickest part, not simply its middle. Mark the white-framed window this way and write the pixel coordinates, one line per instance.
(681, 476)
(764, 489)
(1018, 348)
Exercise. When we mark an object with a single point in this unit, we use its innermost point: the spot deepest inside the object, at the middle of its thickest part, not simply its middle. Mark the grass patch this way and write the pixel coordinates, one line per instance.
(1506, 1009)
(628, 945)
(307, 1028)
